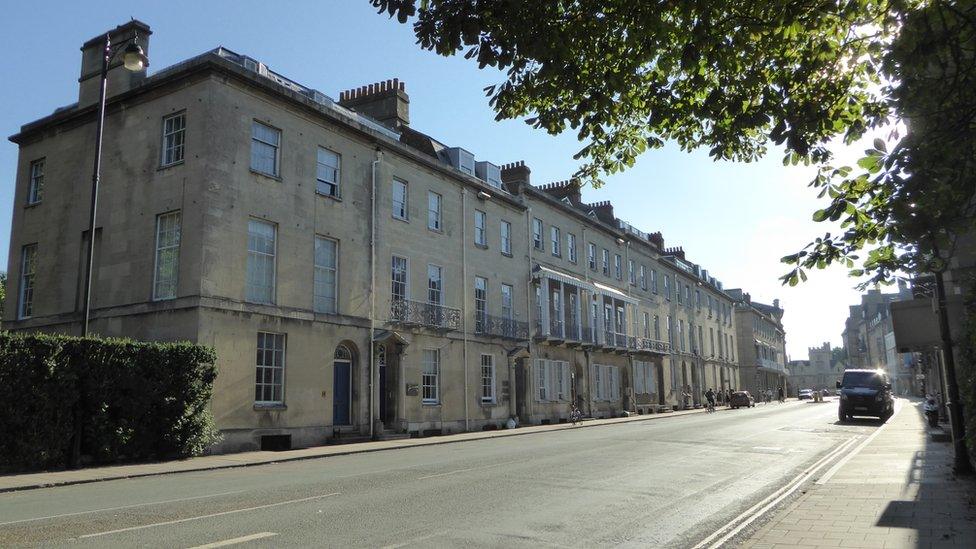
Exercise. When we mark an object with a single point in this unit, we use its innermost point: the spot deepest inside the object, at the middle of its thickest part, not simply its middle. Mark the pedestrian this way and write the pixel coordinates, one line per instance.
(779, 394)
(710, 397)
(728, 399)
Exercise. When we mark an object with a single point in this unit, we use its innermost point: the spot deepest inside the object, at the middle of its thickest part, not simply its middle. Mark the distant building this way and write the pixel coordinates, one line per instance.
(869, 340)
(762, 343)
(818, 372)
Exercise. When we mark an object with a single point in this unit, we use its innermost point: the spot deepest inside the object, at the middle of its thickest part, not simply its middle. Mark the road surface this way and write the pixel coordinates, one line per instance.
(664, 483)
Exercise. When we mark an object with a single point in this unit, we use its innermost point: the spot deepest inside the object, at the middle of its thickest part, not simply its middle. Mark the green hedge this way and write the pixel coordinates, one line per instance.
(103, 400)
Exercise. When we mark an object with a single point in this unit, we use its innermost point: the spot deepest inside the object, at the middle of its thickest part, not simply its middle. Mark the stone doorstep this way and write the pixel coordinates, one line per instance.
(30, 481)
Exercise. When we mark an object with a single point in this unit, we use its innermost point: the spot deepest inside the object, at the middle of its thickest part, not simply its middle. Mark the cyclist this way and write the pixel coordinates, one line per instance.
(710, 397)
(575, 415)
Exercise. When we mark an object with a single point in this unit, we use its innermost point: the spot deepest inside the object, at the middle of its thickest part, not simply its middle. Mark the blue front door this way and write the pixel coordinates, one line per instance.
(341, 389)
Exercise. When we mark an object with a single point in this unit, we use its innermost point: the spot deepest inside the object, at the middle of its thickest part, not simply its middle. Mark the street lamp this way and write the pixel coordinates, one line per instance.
(133, 59)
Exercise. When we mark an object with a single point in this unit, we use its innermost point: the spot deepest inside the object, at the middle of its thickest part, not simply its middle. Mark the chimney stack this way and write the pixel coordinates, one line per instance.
(515, 176)
(120, 79)
(386, 102)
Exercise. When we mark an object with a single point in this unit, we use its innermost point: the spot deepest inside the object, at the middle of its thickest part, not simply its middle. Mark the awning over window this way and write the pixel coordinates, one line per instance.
(552, 274)
(614, 293)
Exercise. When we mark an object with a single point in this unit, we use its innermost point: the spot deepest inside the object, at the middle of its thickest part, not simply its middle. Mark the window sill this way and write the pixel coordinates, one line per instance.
(403, 219)
(488, 404)
(329, 196)
(438, 231)
(263, 407)
(168, 166)
(507, 254)
(267, 175)
(481, 246)
(432, 404)
(32, 205)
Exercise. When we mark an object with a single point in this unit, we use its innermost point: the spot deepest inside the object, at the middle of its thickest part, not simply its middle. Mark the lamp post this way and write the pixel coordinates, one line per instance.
(133, 59)
(961, 464)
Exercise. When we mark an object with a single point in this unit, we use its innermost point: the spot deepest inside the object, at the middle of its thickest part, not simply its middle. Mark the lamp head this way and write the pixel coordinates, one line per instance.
(133, 58)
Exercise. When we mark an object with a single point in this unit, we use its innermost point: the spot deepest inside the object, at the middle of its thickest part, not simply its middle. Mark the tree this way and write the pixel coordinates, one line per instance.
(3, 290)
(735, 76)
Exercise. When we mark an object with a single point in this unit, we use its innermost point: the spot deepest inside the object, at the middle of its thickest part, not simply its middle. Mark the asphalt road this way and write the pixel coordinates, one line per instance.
(663, 483)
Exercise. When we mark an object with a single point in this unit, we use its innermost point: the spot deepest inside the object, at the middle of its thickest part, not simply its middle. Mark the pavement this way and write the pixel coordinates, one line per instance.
(897, 491)
(637, 483)
(27, 481)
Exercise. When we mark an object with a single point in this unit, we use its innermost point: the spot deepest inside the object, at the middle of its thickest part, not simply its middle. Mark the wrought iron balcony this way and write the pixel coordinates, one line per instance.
(557, 327)
(653, 345)
(489, 325)
(770, 365)
(407, 311)
(619, 341)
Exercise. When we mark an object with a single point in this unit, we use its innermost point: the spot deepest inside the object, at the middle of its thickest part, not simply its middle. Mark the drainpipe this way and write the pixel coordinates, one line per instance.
(464, 304)
(529, 306)
(372, 289)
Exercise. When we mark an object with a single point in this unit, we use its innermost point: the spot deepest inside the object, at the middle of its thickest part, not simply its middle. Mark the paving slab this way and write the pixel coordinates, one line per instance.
(897, 491)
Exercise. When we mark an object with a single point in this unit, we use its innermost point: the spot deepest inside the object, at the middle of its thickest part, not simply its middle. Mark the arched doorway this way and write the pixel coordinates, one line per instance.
(342, 368)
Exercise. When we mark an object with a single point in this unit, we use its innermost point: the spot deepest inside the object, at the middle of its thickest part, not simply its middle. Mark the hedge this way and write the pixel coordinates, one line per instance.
(69, 401)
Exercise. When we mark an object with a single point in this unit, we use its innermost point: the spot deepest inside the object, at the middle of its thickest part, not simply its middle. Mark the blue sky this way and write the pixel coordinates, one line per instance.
(736, 220)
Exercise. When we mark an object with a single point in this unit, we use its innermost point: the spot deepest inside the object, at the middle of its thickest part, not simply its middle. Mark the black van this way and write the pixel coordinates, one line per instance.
(865, 393)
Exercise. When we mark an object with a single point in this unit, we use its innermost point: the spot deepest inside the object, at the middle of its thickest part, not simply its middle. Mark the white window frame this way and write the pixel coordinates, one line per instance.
(434, 211)
(439, 288)
(654, 281)
(571, 247)
(35, 187)
(606, 262)
(431, 377)
(480, 303)
(487, 378)
(667, 287)
(505, 231)
(173, 144)
(253, 255)
(400, 209)
(327, 176)
(591, 255)
(28, 275)
(643, 277)
(508, 301)
(480, 228)
(555, 239)
(166, 249)
(393, 279)
(542, 378)
(277, 365)
(320, 301)
(618, 268)
(537, 228)
(631, 272)
(276, 147)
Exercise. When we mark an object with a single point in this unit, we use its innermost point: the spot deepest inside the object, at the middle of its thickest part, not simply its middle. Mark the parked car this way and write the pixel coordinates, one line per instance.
(805, 394)
(865, 393)
(742, 399)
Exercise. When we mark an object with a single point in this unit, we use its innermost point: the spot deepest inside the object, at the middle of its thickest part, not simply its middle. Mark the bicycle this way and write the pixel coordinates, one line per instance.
(575, 415)
(711, 407)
